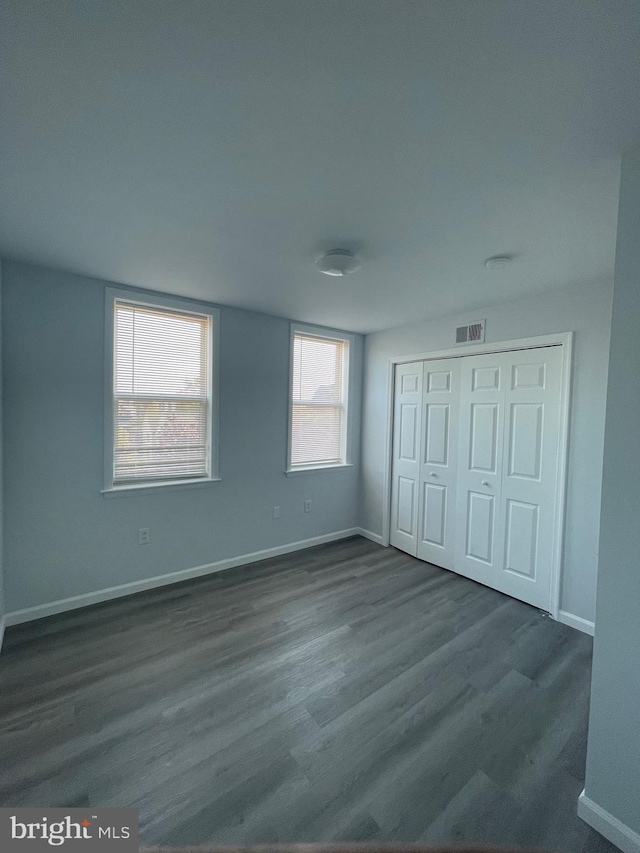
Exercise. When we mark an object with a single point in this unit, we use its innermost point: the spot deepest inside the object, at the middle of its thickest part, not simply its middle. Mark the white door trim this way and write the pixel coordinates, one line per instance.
(563, 339)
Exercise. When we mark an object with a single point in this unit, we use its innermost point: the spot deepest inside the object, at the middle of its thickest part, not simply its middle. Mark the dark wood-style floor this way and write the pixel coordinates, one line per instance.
(348, 692)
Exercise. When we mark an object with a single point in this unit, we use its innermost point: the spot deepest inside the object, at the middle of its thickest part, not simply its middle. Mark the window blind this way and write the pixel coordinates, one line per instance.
(318, 404)
(161, 394)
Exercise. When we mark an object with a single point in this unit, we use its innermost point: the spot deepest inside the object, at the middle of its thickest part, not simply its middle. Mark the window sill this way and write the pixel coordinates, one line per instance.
(135, 490)
(308, 469)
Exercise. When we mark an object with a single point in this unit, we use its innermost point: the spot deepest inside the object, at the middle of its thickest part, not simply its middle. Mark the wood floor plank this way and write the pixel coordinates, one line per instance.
(346, 692)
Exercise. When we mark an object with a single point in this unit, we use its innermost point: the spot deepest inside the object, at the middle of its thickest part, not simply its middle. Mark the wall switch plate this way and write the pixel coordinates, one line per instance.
(276, 512)
(307, 506)
(143, 536)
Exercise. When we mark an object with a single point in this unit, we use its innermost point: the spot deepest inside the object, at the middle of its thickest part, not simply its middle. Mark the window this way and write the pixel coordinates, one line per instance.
(319, 393)
(160, 382)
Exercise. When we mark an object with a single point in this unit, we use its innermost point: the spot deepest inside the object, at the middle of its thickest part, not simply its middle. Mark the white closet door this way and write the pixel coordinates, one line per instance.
(438, 462)
(475, 467)
(406, 456)
(480, 464)
(530, 465)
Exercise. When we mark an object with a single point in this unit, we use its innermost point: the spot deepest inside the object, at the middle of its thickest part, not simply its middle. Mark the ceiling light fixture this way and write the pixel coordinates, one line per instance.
(338, 262)
(498, 262)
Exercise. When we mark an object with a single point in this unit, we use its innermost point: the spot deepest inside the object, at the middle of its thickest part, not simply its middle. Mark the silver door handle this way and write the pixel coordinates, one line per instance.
(433, 474)
(485, 483)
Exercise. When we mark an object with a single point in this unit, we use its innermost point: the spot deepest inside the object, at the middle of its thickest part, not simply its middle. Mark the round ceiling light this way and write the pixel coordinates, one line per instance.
(498, 262)
(338, 262)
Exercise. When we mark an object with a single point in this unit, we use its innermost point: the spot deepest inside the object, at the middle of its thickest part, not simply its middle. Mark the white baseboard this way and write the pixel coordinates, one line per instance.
(578, 622)
(375, 537)
(606, 824)
(97, 597)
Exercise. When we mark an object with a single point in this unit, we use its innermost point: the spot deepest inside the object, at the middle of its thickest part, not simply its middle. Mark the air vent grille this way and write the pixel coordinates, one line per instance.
(471, 334)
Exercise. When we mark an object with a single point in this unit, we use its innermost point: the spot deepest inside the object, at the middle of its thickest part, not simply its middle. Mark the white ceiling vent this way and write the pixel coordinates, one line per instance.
(471, 334)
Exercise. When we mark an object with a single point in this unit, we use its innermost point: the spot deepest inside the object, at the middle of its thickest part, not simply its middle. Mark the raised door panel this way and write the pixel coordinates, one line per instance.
(434, 514)
(406, 506)
(525, 440)
(438, 379)
(521, 538)
(408, 449)
(480, 527)
(486, 378)
(483, 438)
(436, 451)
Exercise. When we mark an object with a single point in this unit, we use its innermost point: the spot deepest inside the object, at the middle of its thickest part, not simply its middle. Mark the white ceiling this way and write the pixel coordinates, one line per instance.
(214, 147)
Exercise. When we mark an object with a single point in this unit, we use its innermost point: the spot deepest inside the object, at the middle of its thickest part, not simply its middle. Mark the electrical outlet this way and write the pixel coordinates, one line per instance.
(143, 536)
(307, 506)
(276, 512)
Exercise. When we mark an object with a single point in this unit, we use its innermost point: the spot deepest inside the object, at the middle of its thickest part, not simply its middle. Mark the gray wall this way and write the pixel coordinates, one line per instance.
(2, 600)
(585, 310)
(62, 537)
(613, 761)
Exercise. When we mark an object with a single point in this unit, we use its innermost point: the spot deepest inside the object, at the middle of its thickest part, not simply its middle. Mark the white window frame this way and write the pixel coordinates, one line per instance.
(180, 306)
(347, 385)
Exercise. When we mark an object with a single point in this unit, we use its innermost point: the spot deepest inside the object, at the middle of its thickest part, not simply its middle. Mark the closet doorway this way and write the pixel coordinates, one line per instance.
(478, 465)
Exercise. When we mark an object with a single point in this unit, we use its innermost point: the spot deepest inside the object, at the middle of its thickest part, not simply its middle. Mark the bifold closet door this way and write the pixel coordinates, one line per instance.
(475, 467)
(438, 462)
(405, 469)
(480, 463)
(530, 478)
(507, 471)
(425, 449)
